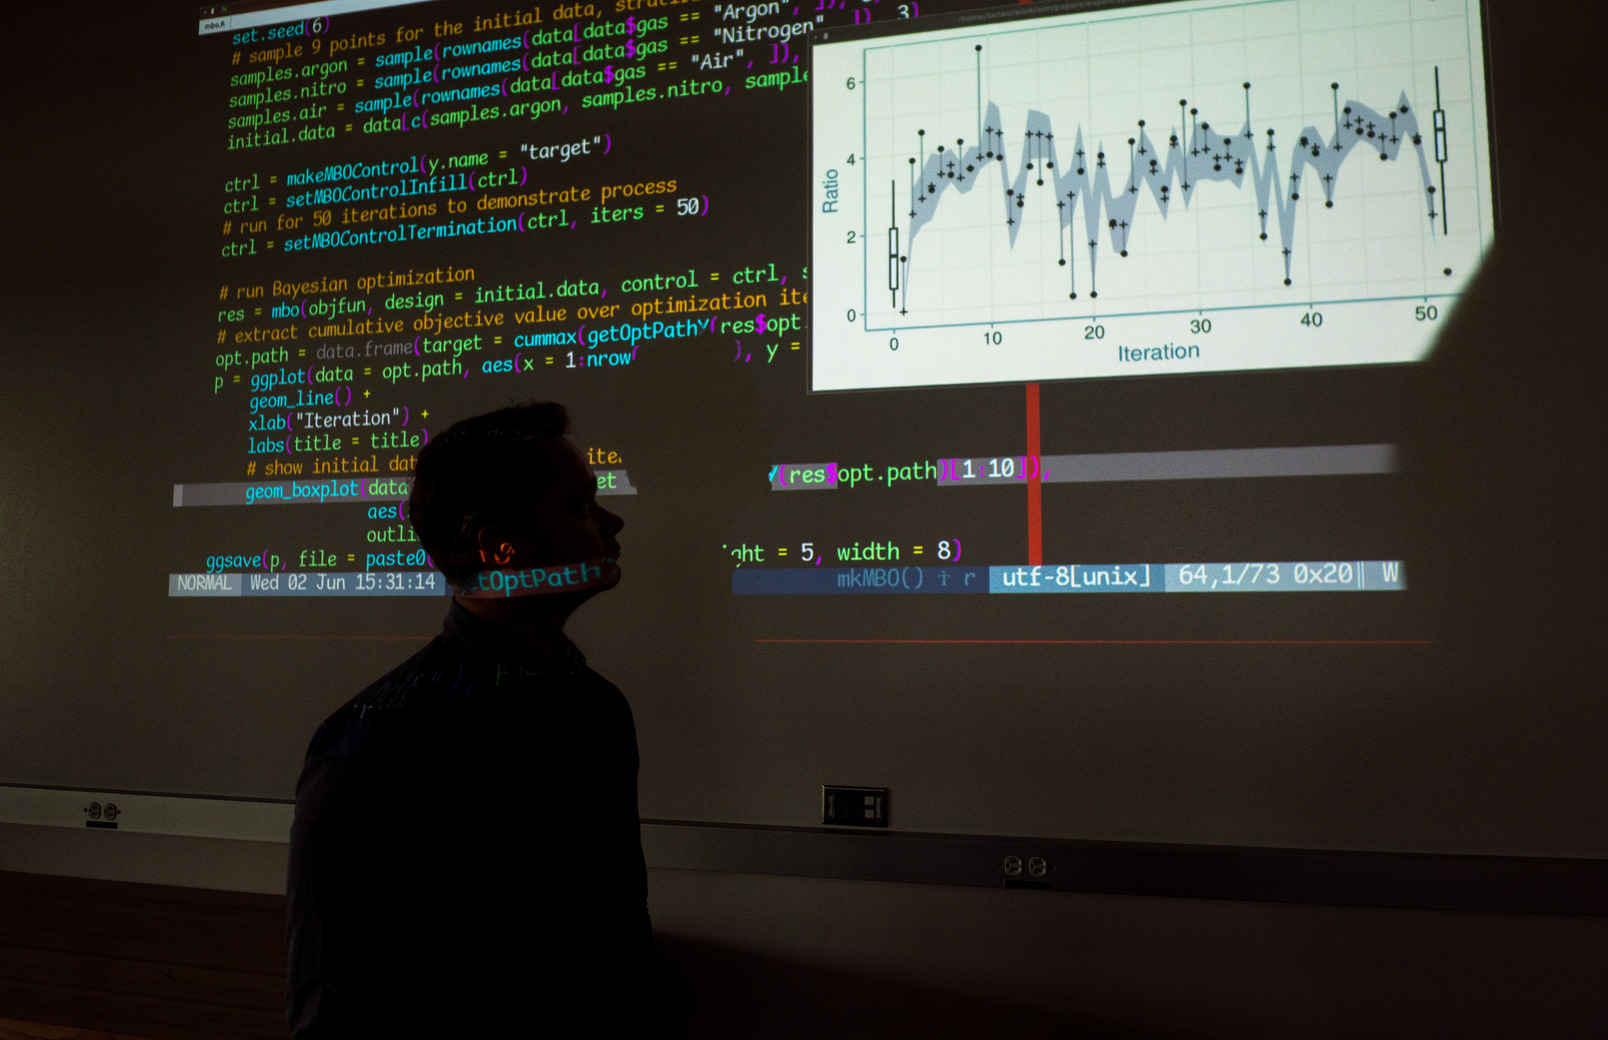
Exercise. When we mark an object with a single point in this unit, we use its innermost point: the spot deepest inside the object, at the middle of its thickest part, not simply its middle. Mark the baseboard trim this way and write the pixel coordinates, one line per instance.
(1507, 884)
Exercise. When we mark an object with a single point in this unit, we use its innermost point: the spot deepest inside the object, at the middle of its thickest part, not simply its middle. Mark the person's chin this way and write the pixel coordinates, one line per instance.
(611, 574)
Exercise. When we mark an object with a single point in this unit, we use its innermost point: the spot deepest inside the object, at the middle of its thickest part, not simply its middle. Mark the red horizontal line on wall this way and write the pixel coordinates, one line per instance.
(1127, 642)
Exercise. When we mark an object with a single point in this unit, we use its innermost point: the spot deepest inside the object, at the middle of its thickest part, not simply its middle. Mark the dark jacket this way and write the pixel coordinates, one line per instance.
(466, 852)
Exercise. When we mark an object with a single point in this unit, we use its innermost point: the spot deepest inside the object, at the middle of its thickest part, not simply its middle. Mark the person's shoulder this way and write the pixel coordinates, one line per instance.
(419, 681)
(586, 676)
(602, 695)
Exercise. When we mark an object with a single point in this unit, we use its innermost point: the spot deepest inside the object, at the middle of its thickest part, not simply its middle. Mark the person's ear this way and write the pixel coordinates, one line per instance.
(495, 547)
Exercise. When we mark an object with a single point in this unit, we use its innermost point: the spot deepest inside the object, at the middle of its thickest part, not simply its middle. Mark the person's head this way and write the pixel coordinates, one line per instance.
(508, 490)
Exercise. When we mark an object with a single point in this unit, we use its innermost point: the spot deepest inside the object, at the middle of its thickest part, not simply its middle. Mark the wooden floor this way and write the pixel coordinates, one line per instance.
(122, 961)
(13, 1030)
(139, 960)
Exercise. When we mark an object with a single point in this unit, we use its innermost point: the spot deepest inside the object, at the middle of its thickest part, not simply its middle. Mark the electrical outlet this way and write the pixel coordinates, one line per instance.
(854, 806)
(102, 818)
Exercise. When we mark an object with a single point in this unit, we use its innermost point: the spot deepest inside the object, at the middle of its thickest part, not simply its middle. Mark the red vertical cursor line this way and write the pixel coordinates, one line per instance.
(1035, 485)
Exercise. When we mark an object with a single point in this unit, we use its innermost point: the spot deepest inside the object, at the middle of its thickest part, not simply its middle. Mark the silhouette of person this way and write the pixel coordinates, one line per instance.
(466, 855)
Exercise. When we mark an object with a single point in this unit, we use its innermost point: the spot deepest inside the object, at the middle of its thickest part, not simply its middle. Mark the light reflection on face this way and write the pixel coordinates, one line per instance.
(565, 524)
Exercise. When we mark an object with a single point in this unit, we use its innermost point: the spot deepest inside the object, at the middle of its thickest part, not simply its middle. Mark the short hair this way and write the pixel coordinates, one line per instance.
(473, 474)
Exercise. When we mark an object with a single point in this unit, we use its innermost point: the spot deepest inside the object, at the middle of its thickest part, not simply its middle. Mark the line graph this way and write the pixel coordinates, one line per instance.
(1109, 209)
(1048, 198)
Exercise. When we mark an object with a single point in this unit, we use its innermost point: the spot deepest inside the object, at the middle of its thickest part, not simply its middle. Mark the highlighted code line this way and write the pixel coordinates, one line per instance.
(351, 489)
(1283, 576)
(1328, 460)
(317, 583)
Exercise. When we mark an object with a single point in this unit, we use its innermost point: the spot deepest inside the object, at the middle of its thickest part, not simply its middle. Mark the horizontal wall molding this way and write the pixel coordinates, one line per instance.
(1513, 884)
(148, 812)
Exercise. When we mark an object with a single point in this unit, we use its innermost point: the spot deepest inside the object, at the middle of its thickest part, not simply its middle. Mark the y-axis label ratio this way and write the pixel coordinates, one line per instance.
(1060, 203)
